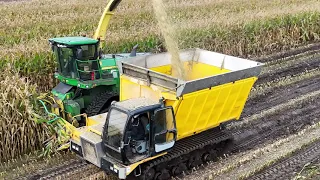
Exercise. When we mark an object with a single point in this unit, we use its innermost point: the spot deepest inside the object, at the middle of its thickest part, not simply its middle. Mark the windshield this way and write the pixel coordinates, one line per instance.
(86, 52)
(64, 56)
(116, 125)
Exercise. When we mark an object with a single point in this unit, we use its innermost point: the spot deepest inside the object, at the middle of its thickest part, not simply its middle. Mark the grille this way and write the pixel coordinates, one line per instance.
(89, 152)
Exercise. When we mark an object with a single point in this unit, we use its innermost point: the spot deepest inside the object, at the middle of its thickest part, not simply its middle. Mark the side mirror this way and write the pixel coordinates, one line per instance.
(164, 140)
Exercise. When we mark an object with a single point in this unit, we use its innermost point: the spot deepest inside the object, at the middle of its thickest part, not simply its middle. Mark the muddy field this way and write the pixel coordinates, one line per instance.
(277, 137)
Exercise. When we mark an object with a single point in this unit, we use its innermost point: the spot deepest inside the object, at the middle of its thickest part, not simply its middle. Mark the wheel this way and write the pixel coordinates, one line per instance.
(148, 174)
(162, 175)
(101, 103)
(178, 169)
(194, 160)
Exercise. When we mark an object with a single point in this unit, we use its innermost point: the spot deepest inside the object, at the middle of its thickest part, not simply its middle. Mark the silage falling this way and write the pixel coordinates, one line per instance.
(170, 37)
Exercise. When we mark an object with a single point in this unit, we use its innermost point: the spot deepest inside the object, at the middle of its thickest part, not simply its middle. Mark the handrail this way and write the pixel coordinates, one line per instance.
(84, 61)
(88, 71)
(99, 70)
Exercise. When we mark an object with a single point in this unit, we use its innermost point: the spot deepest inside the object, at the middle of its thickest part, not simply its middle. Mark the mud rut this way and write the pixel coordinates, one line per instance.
(265, 129)
(285, 168)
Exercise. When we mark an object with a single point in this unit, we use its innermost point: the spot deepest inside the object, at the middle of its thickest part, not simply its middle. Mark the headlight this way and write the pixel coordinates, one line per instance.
(114, 73)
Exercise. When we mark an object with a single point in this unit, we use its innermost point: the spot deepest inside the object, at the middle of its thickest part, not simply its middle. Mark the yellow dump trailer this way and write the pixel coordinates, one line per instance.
(162, 124)
(215, 89)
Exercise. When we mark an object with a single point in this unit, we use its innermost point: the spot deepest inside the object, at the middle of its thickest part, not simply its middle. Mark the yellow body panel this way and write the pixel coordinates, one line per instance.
(90, 122)
(133, 166)
(73, 131)
(97, 119)
(205, 109)
(197, 111)
(193, 71)
(108, 67)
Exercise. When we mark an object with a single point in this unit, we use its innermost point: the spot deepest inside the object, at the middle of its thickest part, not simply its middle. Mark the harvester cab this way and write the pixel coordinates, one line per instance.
(88, 79)
(77, 58)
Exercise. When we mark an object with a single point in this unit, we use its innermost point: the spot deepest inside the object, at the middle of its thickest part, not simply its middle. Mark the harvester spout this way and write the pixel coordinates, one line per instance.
(100, 33)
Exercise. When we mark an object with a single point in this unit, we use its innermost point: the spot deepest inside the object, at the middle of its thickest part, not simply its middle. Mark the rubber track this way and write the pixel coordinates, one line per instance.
(284, 169)
(190, 144)
(98, 102)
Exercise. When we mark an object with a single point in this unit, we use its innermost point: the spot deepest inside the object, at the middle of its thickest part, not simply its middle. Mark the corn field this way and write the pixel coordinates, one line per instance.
(19, 134)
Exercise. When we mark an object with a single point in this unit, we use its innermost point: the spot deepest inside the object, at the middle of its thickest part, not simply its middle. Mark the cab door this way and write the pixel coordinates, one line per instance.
(164, 129)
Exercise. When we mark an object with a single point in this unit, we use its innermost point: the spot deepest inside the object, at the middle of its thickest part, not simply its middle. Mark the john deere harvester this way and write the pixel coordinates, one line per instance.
(89, 80)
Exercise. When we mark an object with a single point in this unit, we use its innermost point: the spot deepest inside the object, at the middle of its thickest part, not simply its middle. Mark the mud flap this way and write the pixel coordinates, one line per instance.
(62, 88)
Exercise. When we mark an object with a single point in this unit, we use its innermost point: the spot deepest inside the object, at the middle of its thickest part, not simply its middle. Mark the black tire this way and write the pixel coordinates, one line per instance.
(101, 103)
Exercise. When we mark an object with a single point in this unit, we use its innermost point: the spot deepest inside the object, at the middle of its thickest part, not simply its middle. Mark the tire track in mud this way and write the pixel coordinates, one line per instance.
(310, 48)
(286, 167)
(65, 168)
(310, 171)
(291, 70)
(285, 62)
(278, 124)
(245, 164)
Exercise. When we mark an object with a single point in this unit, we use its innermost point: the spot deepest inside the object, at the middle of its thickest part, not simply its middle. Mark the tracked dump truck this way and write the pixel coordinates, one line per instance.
(163, 125)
